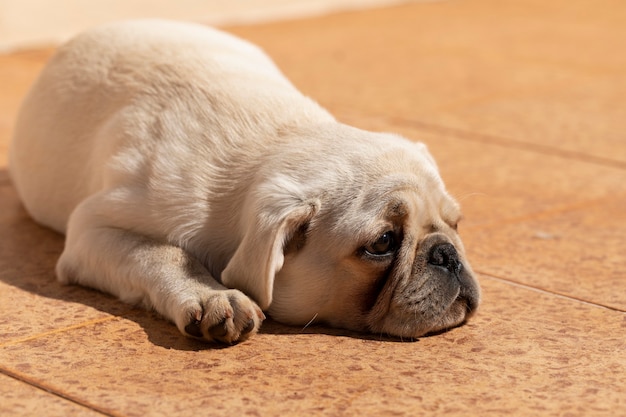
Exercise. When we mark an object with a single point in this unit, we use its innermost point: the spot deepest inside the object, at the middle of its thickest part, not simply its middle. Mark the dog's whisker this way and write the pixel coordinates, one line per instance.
(310, 322)
(464, 197)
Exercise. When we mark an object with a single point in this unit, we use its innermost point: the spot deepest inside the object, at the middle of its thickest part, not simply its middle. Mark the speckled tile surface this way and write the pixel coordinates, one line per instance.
(22, 399)
(547, 74)
(528, 132)
(564, 356)
(578, 251)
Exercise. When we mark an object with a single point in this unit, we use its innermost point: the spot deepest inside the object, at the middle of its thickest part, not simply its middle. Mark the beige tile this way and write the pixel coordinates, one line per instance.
(548, 74)
(22, 399)
(526, 352)
(541, 220)
(577, 252)
(27, 313)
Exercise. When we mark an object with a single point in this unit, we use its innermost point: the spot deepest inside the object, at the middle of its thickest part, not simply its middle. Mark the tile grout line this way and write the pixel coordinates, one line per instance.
(489, 138)
(541, 290)
(56, 331)
(541, 214)
(509, 143)
(42, 386)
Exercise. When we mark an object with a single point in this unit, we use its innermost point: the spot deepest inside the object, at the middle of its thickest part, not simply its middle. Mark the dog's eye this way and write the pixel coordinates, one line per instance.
(384, 245)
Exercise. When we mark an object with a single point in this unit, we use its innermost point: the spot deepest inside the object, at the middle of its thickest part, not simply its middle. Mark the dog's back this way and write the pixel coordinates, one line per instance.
(105, 87)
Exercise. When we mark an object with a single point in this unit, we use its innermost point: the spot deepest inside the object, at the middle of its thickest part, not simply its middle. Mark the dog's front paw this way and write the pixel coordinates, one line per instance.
(226, 316)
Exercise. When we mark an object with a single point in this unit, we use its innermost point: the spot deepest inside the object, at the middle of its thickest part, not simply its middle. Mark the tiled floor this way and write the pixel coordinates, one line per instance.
(522, 104)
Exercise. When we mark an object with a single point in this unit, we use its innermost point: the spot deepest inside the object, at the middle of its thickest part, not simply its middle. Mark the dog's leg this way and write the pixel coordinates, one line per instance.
(138, 269)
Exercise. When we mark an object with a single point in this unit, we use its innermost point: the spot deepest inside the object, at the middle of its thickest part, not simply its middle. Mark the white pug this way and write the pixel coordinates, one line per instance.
(190, 176)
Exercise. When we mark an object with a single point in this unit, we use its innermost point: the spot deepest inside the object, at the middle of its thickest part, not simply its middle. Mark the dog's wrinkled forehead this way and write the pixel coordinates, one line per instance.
(408, 172)
(384, 191)
(408, 184)
(397, 196)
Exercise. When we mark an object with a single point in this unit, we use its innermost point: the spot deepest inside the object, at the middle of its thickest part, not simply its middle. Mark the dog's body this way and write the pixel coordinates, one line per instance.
(189, 175)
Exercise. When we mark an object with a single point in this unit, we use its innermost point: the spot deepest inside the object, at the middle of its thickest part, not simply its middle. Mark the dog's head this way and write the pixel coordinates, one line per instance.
(370, 243)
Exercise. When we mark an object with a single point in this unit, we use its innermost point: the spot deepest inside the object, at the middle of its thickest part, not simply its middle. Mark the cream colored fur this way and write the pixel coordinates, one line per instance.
(189, 175)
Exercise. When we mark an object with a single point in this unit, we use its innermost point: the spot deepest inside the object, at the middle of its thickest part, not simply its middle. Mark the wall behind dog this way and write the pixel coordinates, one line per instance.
(35, 23)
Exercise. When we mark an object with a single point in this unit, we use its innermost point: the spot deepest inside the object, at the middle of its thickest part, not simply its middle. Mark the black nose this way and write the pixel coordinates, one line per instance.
(445, 256)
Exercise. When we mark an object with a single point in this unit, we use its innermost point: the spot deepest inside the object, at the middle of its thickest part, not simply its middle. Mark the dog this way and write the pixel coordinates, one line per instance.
(190, 176)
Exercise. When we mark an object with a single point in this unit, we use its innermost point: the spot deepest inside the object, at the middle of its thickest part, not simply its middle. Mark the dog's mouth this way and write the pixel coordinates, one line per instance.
(416, 318)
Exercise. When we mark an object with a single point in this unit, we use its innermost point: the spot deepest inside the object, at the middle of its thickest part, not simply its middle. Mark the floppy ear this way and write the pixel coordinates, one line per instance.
(272, 220)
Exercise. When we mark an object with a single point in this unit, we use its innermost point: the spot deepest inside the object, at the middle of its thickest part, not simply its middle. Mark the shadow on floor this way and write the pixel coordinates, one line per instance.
(28, 256)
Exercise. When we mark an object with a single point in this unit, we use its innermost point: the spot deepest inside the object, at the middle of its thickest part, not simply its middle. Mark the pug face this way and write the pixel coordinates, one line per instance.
(386, 259)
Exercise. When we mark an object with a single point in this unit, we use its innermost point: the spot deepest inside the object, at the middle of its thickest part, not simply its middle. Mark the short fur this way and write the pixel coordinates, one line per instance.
(190, 176)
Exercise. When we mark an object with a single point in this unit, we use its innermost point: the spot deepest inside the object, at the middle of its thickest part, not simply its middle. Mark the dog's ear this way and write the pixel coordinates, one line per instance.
(273, 217)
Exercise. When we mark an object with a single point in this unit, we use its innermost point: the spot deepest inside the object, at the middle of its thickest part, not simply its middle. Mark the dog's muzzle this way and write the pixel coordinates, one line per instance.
(447, 267)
